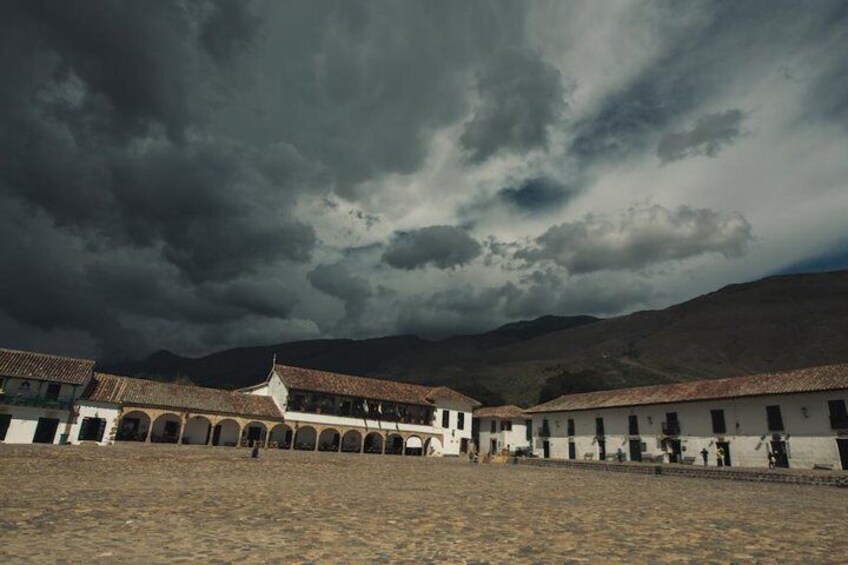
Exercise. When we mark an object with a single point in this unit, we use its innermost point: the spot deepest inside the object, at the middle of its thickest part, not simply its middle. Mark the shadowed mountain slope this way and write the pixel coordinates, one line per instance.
(781, 322)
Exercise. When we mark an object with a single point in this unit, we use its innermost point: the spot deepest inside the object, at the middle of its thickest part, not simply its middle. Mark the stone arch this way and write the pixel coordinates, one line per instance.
(414, 446)
(197, 431)
(374, 443)
(134, 426)
(281, 436)
(305, 438)
(352, 442)
(433, 447)
(226, 432)
(329, 440)
(166, 428)
(253, 433)
(394, 445)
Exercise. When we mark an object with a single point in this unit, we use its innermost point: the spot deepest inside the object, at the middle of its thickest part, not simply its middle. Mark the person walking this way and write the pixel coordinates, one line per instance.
(771, 460)
(720, 456)
(704, 455)
(619, 455)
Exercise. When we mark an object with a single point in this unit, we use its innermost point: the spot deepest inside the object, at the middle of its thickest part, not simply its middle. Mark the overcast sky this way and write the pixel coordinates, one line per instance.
(201, 175)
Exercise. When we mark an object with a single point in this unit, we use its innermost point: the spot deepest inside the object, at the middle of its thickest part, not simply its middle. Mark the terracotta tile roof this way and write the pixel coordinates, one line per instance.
(364, 387)
(813, 379)
(445, 393)
(142, 392)
(28, 365)
(508, 412)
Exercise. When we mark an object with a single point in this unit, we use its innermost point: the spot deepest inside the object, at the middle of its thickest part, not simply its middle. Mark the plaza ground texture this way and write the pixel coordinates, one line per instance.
(171, 504)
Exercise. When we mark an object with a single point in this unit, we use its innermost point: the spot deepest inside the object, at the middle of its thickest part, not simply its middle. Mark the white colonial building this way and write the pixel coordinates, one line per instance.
(797, 416)
(333, 412)
(502, 429)
(37, 395)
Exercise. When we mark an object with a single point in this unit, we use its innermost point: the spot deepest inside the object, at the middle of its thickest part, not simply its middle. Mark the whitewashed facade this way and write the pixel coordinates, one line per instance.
(428, 420)
(502, 429)
(38, 394)
(802, 429)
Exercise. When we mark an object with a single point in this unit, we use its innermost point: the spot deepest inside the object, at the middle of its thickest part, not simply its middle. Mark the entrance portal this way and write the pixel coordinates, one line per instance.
(635, 450)
(725, 447)
(546, 448)
(45, 431)
(781, 456)
(842, 444)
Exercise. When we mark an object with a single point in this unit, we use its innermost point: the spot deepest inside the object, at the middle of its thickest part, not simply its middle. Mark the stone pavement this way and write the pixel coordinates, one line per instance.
(181, 504)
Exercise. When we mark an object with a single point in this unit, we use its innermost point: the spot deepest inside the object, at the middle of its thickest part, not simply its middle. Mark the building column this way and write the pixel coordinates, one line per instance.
(317, 438)
(183, 419)
(211, 433)
(362, 444)
(149, 428)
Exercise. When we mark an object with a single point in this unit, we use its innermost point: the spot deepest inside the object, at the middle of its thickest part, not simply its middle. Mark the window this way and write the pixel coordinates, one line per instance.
(92, 429)
(775, 418)
(23, 390)
(719, 426)
(671, 426)
(545, 431)
(838, 414)
(494, 427)
(53, 391)
(445, 418)
(599, 427)
(633, 425)
(460, 420)
(571, 427)
(509, 425)
(529, 435)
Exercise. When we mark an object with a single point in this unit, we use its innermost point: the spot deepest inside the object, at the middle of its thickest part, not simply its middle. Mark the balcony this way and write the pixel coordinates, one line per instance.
(671, 428)
(839, 421)
(35, 401)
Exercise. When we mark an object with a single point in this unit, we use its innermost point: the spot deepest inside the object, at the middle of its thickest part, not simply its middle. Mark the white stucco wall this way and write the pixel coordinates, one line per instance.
(510, 440)
(25, 419)
(89, 409)
(452, 435)
(807, 432)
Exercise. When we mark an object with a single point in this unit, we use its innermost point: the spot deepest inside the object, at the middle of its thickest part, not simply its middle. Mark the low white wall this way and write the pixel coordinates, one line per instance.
(25, 419)
(88, 409)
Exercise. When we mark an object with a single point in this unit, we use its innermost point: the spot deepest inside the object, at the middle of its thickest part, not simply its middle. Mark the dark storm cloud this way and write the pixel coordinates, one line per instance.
(336, 280)
(443, 247)
(538, 194)
(228, 29)
(521, 96)
(373, 82)
(642, 237)
(706, 137)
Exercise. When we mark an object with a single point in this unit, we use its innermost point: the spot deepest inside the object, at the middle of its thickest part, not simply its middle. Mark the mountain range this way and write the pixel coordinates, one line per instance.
(776, 323)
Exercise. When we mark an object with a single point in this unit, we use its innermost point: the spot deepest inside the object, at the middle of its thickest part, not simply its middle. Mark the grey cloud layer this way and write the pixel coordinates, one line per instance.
(642, 237)
(709, 134)
(443, 247)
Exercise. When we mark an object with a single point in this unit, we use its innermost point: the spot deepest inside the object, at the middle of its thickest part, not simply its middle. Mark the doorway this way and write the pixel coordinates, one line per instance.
(5, 420)
(675, 451)
(493, 446)
(842, 444)
(546, 449)
(781, 456)
(725, 448)
(572, 450)
(602, 450)
(635, 450)
(45, 431)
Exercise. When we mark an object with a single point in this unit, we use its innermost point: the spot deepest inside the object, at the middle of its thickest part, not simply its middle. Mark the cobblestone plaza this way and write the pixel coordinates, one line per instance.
(145, 504)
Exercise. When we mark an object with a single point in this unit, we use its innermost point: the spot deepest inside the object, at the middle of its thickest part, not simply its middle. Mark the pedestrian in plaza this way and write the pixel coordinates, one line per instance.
(619, 455)
(704, 455)
(771, 460)
(720, 456)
